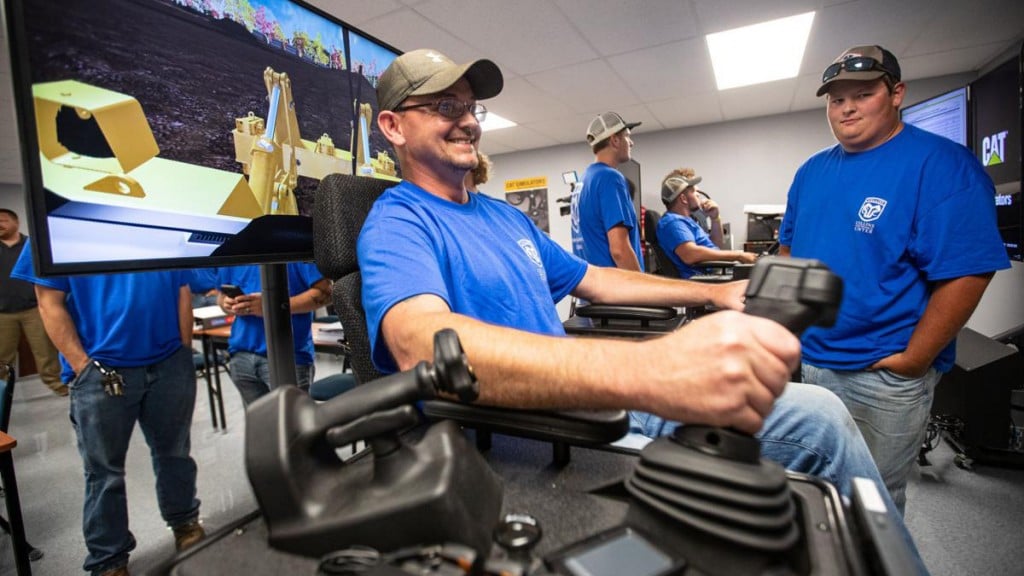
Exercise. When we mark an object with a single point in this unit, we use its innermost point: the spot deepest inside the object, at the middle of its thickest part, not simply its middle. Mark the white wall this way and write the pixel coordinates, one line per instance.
(742, 162)
(12, 197)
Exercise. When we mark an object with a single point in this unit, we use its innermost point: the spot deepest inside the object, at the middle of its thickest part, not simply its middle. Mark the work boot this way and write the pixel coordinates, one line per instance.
(187, 535)
(119, 571)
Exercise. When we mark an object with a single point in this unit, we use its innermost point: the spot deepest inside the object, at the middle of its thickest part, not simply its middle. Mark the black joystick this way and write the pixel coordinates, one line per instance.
(712, 481)
(314, 503)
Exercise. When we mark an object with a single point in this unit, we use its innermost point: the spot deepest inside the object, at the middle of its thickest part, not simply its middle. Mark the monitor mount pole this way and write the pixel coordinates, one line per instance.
(277, 320)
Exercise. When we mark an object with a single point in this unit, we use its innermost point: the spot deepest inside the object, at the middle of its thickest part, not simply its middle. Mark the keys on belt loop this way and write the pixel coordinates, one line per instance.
(113, 383)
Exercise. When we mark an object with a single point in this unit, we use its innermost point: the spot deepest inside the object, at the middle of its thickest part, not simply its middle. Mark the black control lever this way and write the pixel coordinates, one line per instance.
(795, 292)
(450, 373)
(313, 502)
(713, 480)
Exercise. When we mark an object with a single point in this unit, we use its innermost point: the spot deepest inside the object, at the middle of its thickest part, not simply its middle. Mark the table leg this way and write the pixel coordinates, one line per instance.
(208, 351)
(14, 511)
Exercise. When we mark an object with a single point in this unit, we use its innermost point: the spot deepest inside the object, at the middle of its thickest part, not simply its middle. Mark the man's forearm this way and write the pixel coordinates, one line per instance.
(545, 381)
(186, 321)
(613, 286)
(59, 326)
(950, 306)
(318, 295)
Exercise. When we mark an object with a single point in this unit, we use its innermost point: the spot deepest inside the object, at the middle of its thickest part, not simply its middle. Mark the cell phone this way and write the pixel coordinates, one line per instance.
(231, 291)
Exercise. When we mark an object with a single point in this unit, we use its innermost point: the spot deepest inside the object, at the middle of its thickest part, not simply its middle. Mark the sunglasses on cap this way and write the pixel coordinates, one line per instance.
(857, 64)
(451, 108)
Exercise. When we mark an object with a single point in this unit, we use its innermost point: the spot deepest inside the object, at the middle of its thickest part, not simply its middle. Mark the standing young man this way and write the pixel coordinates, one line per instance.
(907, 219)
(605, 229)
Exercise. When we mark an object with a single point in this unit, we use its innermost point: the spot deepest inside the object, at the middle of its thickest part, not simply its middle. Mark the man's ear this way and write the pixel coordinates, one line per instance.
(899, 91)
(390, 127)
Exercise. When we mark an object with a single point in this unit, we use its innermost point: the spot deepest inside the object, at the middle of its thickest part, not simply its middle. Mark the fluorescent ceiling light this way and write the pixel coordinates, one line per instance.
(495, 122)
(761, 52)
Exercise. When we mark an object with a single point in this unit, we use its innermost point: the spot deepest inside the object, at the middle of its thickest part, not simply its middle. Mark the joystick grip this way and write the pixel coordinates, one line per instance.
(795, 292)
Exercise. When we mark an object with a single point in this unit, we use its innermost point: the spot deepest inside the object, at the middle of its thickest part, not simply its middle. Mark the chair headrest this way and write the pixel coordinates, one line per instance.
(341, 205)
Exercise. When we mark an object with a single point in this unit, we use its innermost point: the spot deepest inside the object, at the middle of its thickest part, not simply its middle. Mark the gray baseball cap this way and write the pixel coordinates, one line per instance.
(427, 71)
(605, 126)
(673, 186)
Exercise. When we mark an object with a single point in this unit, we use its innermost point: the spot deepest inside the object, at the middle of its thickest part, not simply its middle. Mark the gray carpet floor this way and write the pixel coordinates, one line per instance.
(965, 522)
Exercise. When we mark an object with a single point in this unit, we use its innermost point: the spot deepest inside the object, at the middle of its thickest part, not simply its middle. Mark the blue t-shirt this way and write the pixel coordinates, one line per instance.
(484, 258)
(202, 280)
(602, 203)
(248, 333)
(123, 320)
(890, 221)
(675, 229)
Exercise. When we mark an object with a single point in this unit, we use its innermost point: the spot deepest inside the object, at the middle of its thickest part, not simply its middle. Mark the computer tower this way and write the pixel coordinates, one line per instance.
(977, 390)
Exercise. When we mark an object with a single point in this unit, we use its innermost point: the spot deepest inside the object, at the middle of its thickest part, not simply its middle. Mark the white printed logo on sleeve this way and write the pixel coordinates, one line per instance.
(534, 256)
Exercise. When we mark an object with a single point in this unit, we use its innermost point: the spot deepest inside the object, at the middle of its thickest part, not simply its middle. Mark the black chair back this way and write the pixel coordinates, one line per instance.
(341, 206)
(663, 266)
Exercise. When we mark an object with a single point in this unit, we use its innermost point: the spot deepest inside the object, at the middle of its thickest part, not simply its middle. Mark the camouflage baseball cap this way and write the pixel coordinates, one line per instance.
(427, 71)
(861, 63)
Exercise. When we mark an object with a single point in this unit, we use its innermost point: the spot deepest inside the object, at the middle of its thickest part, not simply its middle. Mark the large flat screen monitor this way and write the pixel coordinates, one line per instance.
(996, 103)
(945, 115)
(185, 133)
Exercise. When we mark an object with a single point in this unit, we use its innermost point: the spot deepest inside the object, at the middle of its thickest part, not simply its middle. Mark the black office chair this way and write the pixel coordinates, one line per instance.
(7, 379)
(663, 266)
(342, 204)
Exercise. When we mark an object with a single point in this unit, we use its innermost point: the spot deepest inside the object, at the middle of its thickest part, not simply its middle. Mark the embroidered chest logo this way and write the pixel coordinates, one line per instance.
(870, 211)
(534, 256)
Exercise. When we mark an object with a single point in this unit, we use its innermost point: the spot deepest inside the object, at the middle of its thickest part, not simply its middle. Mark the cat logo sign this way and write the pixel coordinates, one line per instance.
(993, 148)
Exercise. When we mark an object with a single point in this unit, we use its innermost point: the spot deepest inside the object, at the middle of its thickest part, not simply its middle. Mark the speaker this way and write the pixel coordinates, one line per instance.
(978, 390)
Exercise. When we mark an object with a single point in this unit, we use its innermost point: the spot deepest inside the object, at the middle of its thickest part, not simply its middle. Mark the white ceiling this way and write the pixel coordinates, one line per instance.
(567, 60)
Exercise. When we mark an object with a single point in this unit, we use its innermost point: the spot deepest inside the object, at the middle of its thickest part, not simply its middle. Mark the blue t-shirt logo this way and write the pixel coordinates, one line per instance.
(871, 209)
(534, 256)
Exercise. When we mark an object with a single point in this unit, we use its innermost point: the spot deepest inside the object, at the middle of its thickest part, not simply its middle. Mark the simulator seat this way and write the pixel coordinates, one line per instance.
(341, 206)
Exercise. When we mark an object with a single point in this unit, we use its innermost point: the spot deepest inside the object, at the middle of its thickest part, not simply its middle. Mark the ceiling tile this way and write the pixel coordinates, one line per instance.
(691, 110)
(609, 26)
(588, 87)
(667, 71)
(529, 35)
(518, 138)
(761, 100)
(522, 102)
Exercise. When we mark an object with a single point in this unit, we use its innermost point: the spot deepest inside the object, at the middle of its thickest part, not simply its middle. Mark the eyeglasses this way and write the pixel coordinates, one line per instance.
(451, 108)
(857, 64)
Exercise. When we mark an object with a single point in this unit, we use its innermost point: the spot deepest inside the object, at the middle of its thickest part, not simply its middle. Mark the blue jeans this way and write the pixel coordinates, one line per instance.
(251, 375)
(891, 412)
(161, 398)
(809, 431)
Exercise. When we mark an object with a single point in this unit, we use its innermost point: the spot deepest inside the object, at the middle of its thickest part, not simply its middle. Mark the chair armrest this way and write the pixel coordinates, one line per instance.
(719, 264)
(617, 312)
(581, 428)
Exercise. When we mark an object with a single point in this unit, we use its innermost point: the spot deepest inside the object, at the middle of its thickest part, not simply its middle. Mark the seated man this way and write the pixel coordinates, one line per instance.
(681, 237)
(434, 256)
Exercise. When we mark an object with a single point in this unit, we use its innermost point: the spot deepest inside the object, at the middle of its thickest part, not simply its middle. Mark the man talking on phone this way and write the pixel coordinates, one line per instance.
(241, 295)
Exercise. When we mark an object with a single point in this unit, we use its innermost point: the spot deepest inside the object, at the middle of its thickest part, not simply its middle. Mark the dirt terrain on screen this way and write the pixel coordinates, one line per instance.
(192, 75)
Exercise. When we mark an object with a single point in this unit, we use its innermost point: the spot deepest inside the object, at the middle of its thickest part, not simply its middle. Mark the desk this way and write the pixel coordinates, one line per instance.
(21, 547)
